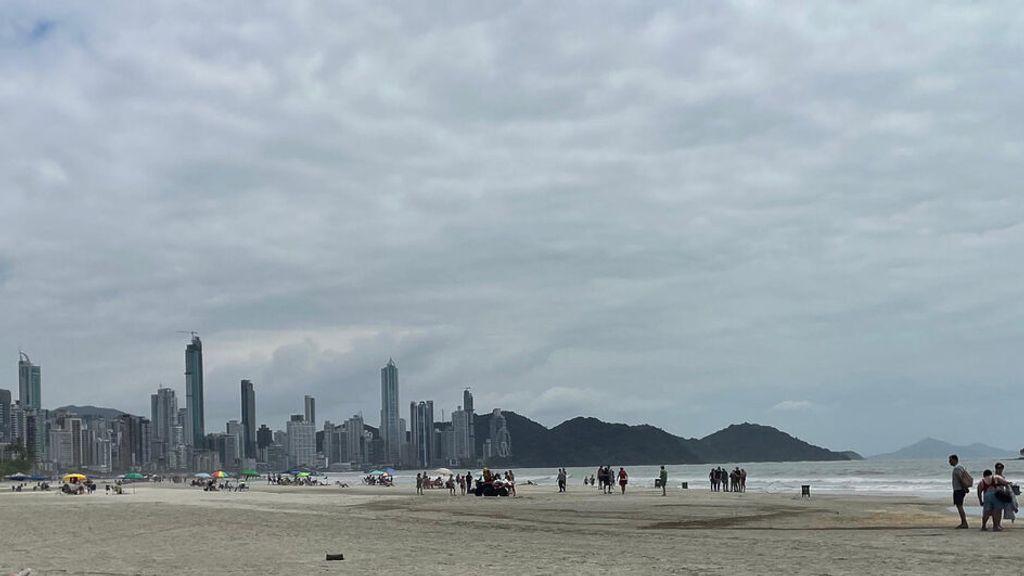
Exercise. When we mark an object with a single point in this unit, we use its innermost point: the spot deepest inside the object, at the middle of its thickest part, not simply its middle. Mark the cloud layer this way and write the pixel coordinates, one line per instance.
(685, 215)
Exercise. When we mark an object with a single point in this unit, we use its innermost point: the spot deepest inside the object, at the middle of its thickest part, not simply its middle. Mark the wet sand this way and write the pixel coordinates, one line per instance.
(167, 529)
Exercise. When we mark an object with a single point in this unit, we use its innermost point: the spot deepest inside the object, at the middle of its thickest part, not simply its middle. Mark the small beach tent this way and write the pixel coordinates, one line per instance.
(75, 477)
(201, 475)
(19, 477)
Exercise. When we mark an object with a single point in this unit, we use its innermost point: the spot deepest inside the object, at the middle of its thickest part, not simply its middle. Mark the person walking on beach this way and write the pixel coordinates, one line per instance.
(663, 477)
(419, 483)
(987, 497)
(561, 479)
(623, 480)
(962, 483)
(1005, 496)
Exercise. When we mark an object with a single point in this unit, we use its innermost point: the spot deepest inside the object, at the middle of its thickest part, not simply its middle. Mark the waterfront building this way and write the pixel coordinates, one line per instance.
(391, 435)
(5, 417)
(500, 440)
(309, 404)
(248, 420)
(301, 442)
(421, 421)
(356, 440)
(29, 383)
(195, 419)
(163, 417)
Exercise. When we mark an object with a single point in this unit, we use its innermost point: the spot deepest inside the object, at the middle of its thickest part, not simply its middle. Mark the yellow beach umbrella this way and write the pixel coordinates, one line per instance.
(74, 477)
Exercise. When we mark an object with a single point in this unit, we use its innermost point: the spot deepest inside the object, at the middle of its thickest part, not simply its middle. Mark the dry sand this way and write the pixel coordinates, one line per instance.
(166, 529)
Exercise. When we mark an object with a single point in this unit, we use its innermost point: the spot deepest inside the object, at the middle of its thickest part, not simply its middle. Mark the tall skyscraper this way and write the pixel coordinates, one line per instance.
(421, 421)
(310, 405)
(163, 417)
(29, 383)
(248, 420)
(195, 420)
(390, 431)
(467, 406)
(6, 434)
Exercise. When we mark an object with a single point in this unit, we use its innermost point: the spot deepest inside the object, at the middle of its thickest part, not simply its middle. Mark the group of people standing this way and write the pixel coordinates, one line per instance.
(997, 496)
(723, 480)
(605, 479)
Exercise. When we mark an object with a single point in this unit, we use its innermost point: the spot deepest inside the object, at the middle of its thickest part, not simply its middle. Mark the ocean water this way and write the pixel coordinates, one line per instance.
(924, 478)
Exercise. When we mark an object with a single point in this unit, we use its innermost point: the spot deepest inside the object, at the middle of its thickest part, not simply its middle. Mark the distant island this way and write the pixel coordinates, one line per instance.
(934, 449)
(584, 441)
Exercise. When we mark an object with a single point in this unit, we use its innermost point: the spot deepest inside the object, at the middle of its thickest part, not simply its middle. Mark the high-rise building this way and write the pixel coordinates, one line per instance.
(29, 383)
(163, 418)
(421, 422)
(5, 416)
(248, 420)
(467, 406)
(301, 442)
(500, 440)
(37, 433)
(264, 438)
(462, 440)
(329, 450)
(390, 432)
(354, 428)
(195, 419)
(236, 433)
(310, 409)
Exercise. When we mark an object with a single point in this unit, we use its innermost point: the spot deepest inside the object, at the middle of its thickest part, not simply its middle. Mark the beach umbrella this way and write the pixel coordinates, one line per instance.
(250, 473)
(134, 476)
(302, 475)
(221, 474)
(376, 472)
(389, 471)
(201, 475)
(443, 472)
(19, 477)
(74, 477)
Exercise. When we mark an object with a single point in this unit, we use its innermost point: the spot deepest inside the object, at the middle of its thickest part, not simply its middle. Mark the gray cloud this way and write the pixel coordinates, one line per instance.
(682, 215)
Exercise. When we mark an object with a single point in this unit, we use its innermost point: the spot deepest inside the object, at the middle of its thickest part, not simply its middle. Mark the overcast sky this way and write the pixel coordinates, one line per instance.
(802, 216)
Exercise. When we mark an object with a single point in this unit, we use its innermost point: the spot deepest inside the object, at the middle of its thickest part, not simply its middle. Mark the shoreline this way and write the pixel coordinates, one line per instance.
(177, 529)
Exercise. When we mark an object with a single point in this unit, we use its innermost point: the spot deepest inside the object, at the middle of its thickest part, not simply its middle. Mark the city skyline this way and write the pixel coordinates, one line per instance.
(174, 440)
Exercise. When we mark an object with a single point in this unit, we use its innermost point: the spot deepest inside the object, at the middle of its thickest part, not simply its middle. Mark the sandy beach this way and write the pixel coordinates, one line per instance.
(167, 529)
